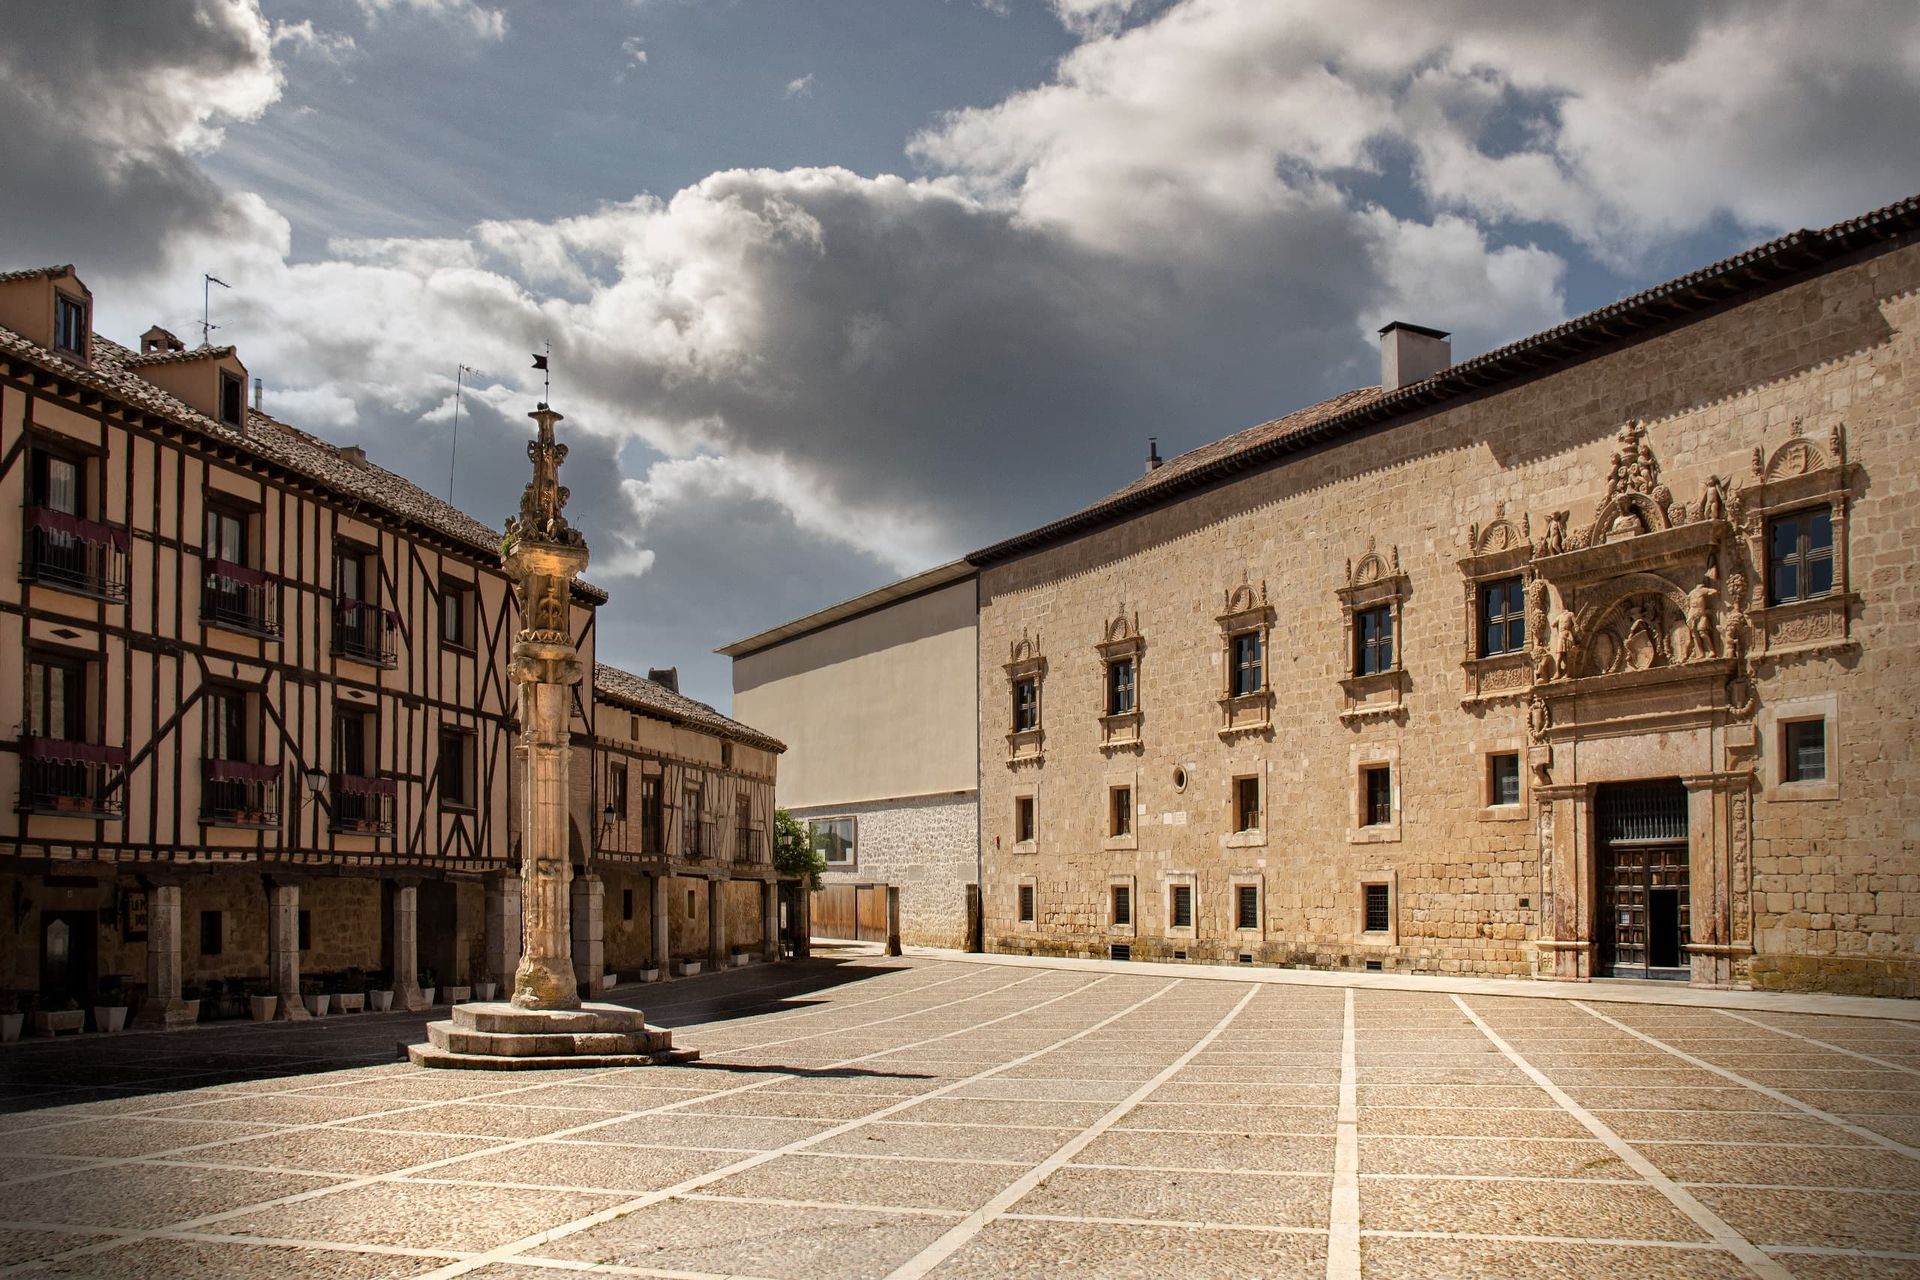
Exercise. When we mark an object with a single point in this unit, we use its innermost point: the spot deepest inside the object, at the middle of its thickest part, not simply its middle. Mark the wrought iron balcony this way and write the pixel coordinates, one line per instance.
(362, 805)
(241, 598)
(75, 554)
(71, 779)
(366, 633)
(234, 793)
(749, 845)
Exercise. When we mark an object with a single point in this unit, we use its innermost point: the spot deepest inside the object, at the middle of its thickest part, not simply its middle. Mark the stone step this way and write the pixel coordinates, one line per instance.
(524, 1044)
(591, 1018)
(430, 1056)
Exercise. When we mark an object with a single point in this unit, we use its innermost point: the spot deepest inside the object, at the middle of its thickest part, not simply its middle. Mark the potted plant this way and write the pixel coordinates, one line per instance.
(426, 985)
(14, 1006)
(380, 992)
(316, 1000)
(191, 994)
(110, 1007)
(686, 968)
(742, 957)
(69, 1017)
(262, 1004)
(648, 974)
(350, 996)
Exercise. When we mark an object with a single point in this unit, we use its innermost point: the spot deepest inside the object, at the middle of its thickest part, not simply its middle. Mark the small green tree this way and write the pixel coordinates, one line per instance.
(793, 853)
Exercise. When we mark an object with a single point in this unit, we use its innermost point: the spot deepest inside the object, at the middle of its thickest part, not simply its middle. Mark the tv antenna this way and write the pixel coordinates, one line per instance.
(207, 326)
(460, 371)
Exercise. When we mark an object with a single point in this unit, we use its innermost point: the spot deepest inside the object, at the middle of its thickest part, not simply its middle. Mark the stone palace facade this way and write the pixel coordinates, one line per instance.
(1593, 655)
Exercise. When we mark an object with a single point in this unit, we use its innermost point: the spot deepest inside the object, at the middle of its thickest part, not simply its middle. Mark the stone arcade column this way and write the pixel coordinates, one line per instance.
(545, 1023)
(661, 927)
(589, 933)
(503, 929)
(406, 946)
(717, 957)
(164, 1007)
(770, 920)
(283, 946)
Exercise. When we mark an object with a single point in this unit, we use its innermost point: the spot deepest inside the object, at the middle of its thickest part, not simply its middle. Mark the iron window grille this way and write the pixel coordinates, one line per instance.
(1180, 907)
(1026, 904)
(1122, 905)
(1247, 906)
(1379, 917)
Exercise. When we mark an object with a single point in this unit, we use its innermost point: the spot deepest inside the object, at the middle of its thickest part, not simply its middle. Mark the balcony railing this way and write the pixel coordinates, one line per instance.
(697, 840)
(366, 633)
(71, 779)
(749, 844)
(75, 554)
(362, 805)
(234, 793)
(241, 598)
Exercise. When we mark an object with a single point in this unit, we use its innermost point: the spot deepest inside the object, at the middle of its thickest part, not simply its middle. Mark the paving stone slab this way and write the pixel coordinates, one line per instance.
(420, 1215)
(201, 1260)
(145, 1196)
(1523, 1208)
(1389, 1258)
(1258, 1199)
(1104, 1251)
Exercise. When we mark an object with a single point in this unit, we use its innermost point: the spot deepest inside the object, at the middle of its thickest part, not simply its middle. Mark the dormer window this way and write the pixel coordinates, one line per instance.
(70, 327)
(233, 398)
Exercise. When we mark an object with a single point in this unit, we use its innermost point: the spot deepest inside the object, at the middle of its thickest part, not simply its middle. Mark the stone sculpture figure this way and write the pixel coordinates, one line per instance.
(1561, 643)
(1713, 499)
(1737, 630)
(1702, 642)
(1554, 540)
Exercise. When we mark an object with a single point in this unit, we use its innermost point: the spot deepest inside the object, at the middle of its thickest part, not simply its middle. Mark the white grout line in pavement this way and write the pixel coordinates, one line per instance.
(1685, 1201)
(1343, 1209)
(1851, 1053)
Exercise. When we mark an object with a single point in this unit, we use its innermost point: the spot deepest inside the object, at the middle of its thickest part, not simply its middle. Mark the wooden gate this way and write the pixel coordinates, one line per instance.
(854, 912)
(1643, 880)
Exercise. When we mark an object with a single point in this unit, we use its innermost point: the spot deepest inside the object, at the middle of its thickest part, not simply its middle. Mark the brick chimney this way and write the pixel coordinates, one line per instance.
(1153, 454)
(1411, 352)
(665, 677)
(158, 339)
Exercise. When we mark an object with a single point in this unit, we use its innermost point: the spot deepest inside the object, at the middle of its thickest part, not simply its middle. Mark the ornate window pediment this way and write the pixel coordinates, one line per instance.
(1246, 628)
(1026, 680)
(1121, 651)
(1370, 605)
(1801, 477)
(1496, 557)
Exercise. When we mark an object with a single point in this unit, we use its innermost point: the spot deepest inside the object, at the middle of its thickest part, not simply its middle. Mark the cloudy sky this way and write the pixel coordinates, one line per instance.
(839, 289)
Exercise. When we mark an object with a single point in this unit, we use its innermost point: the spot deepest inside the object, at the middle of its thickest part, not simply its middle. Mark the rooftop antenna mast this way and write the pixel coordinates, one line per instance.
(207, 326)
(460, 372)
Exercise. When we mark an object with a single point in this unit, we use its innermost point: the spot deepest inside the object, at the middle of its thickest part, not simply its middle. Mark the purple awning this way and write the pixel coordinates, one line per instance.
(73, 752)
(85, 530)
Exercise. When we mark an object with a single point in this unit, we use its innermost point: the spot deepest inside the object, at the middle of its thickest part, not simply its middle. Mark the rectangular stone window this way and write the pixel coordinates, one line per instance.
(1026, 705)
(834, 838)
(1247, 906)
(1026, 904)
(1378, 782)
(1122, 905)
(1803, 751)
(1373, 641)
(1023, 824)
(1800, 555)
(1503, 617)
(1503, 778)
(1246, 803)
(1247, 667)
(1120, 686)
(1377, 908)
(1180, 906)
(212, 933)
(1120, 811)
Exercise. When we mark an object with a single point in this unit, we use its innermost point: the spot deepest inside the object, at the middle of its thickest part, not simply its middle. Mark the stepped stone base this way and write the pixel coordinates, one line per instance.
(498, 1037)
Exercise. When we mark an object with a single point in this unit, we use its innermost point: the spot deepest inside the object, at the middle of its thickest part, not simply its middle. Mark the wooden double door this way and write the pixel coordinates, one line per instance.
(1643, 862)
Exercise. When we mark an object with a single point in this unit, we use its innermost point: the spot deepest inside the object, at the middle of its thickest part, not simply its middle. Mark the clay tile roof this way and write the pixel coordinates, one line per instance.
(137, 360)
(307, 456)
(636, 693)
(36, 273)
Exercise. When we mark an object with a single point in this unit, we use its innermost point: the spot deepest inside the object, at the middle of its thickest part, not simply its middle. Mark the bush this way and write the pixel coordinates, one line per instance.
(794, 856)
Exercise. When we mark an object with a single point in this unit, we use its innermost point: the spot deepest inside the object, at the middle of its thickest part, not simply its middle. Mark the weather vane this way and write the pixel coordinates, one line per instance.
(540, 363)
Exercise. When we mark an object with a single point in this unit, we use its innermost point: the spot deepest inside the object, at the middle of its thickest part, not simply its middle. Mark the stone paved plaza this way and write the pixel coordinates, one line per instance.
(873, 1117)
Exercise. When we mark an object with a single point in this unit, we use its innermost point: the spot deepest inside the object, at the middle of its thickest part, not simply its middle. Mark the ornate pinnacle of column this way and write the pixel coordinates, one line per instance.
(541, 517)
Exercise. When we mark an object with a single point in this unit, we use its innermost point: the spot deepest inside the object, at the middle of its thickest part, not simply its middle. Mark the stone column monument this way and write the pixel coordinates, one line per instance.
(545, 1024)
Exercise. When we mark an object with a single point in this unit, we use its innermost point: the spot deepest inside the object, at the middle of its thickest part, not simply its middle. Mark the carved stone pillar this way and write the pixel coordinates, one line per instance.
(1567, 889)
(164, 1007)
(283, 946)
(406, 946)
(1719, 877)
(769, 920)
(661, 929)
(503, 929)
(717, 956)
(589, 934)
